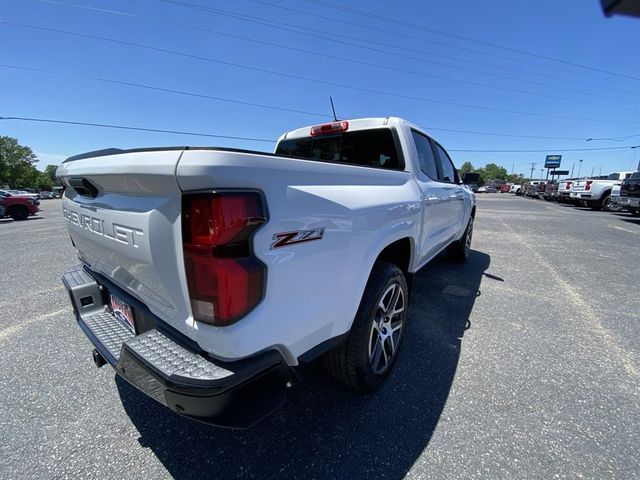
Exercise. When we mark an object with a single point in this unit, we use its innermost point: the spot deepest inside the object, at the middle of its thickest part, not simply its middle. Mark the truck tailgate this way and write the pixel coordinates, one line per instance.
(113, 205)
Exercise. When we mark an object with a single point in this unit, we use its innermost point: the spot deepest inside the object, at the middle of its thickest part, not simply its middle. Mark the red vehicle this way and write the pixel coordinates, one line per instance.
(505, 188)
(18, 207)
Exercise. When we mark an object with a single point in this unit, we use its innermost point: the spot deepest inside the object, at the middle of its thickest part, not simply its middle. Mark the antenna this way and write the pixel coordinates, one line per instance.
(333, 109)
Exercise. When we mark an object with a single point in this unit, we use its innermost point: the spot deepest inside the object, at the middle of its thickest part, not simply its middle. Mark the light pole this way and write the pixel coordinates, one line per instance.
(637, 146)
(579, 167)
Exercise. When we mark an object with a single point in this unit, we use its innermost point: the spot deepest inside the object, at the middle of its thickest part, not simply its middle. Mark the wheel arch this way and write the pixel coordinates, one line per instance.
(401, 253)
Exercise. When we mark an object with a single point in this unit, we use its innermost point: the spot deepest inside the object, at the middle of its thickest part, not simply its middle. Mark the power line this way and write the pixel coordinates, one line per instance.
(468, 39)
(253, 139)
(354, 60)
(306, 31)
(306, 79)
(448, 45)
(139, 129)
(258, 105)
(335, 57)
(164, 90)
(346, 59)
(554, 149)
(614, 139)
(475, 132)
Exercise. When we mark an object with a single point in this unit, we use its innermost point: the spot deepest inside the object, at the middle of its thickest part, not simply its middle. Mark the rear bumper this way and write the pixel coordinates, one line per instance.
(629, 201)
(581, 196)
(173, 371)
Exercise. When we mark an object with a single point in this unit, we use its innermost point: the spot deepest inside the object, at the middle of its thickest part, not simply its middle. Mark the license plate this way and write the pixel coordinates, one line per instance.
(123, 312)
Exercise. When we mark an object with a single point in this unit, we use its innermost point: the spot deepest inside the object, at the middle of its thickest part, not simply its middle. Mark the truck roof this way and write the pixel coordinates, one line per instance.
(354, 125)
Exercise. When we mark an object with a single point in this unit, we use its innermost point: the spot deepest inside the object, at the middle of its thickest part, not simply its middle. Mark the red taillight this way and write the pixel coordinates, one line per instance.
(329, 128)
(588, 185)
(225, 279)
(568, 185)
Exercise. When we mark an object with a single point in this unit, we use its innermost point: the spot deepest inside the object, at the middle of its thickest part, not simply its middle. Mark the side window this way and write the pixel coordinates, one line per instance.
(425, 155)
(447, 170)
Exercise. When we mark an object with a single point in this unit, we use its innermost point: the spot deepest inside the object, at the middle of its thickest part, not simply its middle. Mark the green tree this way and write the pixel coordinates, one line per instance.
(17, 164)
(50, 171)
(491, 171)
(43, 182)
(466, 167)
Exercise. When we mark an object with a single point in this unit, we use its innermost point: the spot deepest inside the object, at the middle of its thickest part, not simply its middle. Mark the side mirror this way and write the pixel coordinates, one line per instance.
(471, 178)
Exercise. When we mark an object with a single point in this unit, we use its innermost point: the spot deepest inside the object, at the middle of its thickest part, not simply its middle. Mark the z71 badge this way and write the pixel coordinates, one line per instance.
(299, 236)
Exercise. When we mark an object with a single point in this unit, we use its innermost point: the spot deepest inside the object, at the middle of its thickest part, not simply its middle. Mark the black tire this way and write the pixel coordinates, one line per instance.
(635, 213)
(351, 362)
(19, 213)
(459, 250)
(594, 205)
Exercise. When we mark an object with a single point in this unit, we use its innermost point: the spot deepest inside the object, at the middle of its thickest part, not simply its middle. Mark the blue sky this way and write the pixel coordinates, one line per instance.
(442, 65)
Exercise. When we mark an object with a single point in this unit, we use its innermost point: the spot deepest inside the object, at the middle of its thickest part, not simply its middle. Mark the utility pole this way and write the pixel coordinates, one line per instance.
(637, 146)
(600, 173)
(579, 167)
(592, 167)
(572, 166)
(533, 166)
(513, 167)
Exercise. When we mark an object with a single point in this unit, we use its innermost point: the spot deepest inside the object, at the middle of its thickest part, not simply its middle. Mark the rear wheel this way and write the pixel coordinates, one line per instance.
(635, 212)
(609, 206)
(366, 357)
(19, 213)
(459, 250)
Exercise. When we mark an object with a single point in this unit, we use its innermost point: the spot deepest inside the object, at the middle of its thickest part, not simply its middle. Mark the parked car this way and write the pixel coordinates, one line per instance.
(505, 188)
(24, 193)
(597, 192)
(230, 268)
(490, 189)
(532, 188)
(550, 190)
(630, 193)
(18, 207)
(564, 190)
(517, 189)
(482, 190)
(47, 195)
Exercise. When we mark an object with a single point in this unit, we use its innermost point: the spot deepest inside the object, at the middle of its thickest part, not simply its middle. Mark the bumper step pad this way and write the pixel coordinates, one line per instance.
(230, 394)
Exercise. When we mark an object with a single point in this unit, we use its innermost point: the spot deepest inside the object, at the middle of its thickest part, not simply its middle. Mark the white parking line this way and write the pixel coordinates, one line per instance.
(13, 329)
(623, 229)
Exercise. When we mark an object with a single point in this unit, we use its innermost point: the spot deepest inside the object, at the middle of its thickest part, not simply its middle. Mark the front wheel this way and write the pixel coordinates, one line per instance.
(19, 213)
(366, 357)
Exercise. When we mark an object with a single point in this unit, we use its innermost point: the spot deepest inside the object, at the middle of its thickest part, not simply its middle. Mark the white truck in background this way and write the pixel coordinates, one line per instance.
(210, 273)
(596, 193)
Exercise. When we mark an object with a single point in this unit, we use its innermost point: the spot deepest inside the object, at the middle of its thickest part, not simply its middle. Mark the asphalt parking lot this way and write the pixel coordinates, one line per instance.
(522, 363)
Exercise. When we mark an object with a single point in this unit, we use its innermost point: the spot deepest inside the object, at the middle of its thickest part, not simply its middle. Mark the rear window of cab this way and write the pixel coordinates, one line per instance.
(367, 148)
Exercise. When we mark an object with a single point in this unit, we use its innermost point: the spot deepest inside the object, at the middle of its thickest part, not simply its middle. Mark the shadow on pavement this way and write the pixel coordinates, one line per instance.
(325, 430)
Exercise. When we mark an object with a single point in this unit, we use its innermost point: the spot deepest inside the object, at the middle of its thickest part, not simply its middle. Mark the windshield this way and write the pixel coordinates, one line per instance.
(367, 148)
(613, 176)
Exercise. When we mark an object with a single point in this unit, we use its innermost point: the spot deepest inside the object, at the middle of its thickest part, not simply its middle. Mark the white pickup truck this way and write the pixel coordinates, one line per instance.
(208, 274)
(596, 193)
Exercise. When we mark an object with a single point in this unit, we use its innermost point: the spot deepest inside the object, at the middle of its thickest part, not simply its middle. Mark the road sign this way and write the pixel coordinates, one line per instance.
(559, 172)
(552, 161)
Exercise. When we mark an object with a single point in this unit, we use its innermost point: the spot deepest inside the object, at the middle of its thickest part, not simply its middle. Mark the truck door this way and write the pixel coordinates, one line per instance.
(436, 201)
(448, 177)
